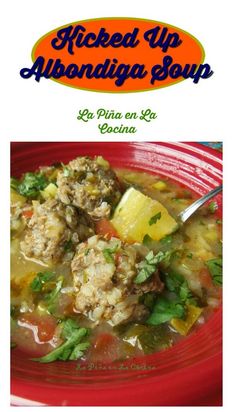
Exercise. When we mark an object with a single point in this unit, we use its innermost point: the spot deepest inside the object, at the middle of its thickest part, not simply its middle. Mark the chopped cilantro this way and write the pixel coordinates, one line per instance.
(164, 310)
(108, 253)
(40, 279)
(177, 283)
(215, 269)
(72, 348)
(149, 265)
(68, 245)
(189, 255)
(31, 184)
(147, 239)
(213, 206)
(166, 240)
(50, 297)
(154, 219)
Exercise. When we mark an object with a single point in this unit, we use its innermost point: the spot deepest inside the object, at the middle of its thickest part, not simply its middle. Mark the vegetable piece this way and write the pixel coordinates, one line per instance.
(215, 268)
(184, 326)
(166, 309)
(105, 228)
(102, 162)
(106, 348)
(145, 337)
(49, 192)
(132, 216)
(17, 198)
(149, 265)
(32, 184)
(72, 348)
(160, 185)
(28, 213)
(43, 325)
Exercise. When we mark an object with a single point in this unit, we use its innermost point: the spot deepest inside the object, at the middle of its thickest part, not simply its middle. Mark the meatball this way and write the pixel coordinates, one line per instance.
(89, 184)
(103, 274)
(54, 230)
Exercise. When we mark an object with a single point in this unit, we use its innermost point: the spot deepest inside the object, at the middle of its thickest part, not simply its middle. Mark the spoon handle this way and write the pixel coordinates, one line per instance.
(186, 213)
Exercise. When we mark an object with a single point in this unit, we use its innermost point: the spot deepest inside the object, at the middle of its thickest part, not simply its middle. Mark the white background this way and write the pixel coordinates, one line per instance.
(186, 111)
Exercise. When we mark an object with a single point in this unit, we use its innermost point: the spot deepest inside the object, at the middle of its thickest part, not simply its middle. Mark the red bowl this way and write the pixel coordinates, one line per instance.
(188, 374)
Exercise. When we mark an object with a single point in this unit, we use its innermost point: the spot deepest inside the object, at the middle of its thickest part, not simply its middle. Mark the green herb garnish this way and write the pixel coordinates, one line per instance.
(177, 283)
(108, 253)
(68, 245)
(154, 219)
(166, 240)
(72, 348)
(213, 206)
(149, 265)
(147, 239)
(31, 184)
(40, 279)
(50, 297)
(215, 269)
(164, 310)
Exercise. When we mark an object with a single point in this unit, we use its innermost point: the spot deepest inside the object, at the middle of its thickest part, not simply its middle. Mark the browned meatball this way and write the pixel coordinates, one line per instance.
(89, 184)
(103, 273)
(54, 230)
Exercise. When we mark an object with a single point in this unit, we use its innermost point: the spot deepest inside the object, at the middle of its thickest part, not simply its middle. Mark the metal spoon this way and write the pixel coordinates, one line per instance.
(186, 213)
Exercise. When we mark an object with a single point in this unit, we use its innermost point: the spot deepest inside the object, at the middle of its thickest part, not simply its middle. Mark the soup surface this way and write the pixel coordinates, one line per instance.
(101, 270)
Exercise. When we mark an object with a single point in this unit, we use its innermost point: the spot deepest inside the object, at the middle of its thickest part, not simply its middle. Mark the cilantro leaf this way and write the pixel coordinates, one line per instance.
(154, 219)
(212, 207)
(72, 348)
(50, 297)
(149, 265)
(68, 246)
(31, 184)
(215, 269)
(164, 310)
(40, 279)
(166, 240)
(177, 283)
(108, 253)
(146, 239)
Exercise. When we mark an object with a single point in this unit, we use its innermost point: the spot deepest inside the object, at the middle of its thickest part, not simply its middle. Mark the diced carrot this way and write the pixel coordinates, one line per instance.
(105, 227)
(28, 213)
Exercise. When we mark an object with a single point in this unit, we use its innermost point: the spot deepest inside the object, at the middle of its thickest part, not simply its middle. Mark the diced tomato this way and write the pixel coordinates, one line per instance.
(28, 213)
(105, 348)
(43, 325)
(33, 334)
(105, 227)
(205, 278)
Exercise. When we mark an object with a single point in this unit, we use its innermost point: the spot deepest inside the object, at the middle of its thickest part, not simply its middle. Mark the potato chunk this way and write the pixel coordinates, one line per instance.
(138, 215)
